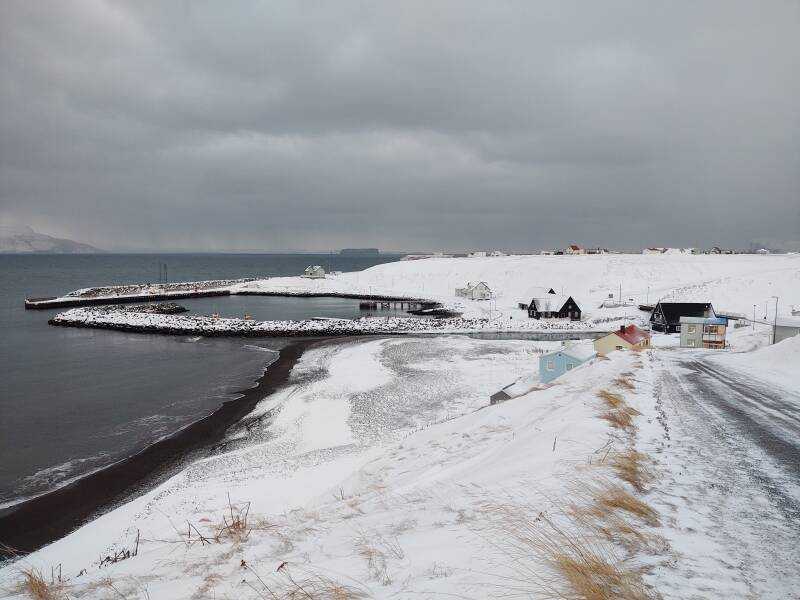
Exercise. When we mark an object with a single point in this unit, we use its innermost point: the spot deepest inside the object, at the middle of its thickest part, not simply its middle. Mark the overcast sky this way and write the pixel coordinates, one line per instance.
(403, 125)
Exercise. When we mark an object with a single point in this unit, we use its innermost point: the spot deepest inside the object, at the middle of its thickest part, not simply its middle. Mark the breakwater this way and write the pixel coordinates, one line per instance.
(109, 318)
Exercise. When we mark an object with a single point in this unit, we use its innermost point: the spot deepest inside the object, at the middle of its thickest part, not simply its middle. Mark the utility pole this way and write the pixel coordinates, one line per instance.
(754, 317)
(775, 322)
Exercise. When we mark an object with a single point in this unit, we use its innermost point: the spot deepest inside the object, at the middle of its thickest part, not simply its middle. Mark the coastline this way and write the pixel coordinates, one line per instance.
(29, 525)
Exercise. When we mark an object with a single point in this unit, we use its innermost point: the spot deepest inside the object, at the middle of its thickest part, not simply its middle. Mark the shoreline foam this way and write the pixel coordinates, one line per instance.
(29, 525)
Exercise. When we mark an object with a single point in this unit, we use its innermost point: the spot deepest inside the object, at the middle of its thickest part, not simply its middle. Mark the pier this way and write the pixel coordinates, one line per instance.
(407, 305)
(74, 301)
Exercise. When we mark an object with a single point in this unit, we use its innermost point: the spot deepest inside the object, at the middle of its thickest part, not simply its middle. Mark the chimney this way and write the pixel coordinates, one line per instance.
(622, 328)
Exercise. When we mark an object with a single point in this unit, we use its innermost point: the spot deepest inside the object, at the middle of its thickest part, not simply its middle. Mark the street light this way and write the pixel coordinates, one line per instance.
(775, 322)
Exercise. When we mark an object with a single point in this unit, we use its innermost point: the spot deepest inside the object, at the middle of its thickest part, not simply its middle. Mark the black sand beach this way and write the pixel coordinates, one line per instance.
(32, 524)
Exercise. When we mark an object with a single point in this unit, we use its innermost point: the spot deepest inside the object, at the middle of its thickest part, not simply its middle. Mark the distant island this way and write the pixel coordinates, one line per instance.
(359, 252)
(24, 240)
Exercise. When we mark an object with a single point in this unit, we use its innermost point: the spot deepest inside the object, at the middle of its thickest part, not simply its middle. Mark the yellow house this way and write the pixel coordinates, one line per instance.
(625, 338)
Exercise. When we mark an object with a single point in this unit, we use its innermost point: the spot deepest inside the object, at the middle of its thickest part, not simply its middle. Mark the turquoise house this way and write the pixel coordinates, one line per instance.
(557, 363)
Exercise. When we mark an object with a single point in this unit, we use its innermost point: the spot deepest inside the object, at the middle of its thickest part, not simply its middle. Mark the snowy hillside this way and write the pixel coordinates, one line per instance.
(731, 282)
(24, 240)
(376, 473)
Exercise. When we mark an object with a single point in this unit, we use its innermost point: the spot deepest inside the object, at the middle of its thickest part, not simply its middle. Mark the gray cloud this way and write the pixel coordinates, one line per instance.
(448, 125)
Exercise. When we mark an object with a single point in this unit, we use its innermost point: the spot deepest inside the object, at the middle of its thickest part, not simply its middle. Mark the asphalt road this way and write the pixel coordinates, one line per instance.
(733, 447)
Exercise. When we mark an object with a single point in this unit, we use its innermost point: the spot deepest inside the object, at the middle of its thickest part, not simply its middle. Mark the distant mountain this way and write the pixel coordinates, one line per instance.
(24, 240)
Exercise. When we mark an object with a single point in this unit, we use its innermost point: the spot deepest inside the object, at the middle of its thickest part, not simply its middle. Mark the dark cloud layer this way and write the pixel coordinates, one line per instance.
(445, 125)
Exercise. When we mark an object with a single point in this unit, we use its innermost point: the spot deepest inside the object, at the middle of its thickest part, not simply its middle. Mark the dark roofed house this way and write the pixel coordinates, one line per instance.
(666, 316)
(554, 306)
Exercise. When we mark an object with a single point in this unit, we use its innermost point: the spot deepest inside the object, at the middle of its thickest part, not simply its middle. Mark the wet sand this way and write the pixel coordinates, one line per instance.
(30, 525)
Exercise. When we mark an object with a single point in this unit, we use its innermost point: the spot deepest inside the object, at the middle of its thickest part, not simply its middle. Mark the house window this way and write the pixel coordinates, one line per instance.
(691, 328)
(711, 329)
(550, 365)
(569, 366)
(690, 343)
(619, 347)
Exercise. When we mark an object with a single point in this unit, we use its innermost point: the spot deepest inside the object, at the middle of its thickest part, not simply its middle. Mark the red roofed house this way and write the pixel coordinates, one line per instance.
(627, 337)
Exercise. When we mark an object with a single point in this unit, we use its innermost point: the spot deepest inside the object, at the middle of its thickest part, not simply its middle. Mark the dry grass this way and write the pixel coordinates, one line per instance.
(624, 381)
(631, 466)
(34, 585)
(585, 564)
(617, 412)
(612, 497)
(308, 585)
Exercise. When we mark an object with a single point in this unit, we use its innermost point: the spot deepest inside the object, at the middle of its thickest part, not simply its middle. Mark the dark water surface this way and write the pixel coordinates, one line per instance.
(74, 400)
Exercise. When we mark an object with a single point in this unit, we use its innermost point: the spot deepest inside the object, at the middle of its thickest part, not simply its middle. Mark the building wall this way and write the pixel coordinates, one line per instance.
(560, 362)
(783, 333)
(691, 335)
(608, 343)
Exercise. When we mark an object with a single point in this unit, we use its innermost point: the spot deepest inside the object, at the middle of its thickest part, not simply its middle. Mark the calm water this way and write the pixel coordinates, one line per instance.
(74, 400)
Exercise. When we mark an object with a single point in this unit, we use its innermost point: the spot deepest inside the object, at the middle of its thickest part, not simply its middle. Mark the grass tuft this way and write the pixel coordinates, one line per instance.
(585, 563)
(617, 412)
(631, 467)
(614, 497)
(35, 586)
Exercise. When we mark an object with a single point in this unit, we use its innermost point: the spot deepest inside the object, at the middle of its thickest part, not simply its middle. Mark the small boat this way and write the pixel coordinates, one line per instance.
(248, 317)
(215, 315)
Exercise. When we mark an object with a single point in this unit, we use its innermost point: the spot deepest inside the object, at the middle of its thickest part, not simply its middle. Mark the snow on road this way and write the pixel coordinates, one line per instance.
(728, 475)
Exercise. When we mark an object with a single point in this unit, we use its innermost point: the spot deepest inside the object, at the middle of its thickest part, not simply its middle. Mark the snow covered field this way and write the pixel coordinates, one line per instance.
(379, 471)
(373, 469)
(734, 283)
(731, 282)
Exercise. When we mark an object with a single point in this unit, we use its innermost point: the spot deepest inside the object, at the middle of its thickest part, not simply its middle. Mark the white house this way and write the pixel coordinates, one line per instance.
(497, 253)
(654, 250)
(477, 290)
(477, 254)
(785, 327)
(573, 249)
(314, 272)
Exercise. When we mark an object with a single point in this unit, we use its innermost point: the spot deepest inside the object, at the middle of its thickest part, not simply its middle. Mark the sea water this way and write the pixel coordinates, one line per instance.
(75, 400)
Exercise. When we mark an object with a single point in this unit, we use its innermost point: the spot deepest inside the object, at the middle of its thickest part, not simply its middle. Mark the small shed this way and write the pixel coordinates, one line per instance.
(627, 337)
(500, 396)
(703, 332)
(475, 290)
(314, 272)
(561, 361)
(785, 327)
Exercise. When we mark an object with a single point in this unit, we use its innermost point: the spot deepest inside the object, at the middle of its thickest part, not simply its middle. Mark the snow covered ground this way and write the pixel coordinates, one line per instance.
(374, 469)
(381, 468)
(722, 429)
(731, 282)
(734, 283)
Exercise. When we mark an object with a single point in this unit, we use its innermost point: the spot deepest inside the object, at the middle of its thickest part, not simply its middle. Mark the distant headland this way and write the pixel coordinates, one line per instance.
(24, 240)
(359, 252)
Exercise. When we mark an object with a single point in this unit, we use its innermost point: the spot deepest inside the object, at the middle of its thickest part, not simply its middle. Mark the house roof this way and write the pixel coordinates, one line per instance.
(313, 268)
(573, 247)
(705, 320)
(474, 284)
(581, 353)
(673, 311)
(632, 334)
(550, 302)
